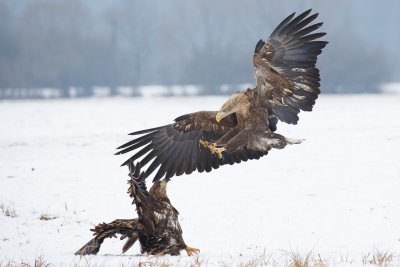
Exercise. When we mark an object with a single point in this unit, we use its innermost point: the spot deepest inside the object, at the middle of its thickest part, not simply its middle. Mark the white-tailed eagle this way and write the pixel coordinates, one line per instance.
(287, 81)
(157, 227)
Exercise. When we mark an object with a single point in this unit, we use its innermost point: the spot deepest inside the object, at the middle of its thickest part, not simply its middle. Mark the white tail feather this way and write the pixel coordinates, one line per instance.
(292, 141)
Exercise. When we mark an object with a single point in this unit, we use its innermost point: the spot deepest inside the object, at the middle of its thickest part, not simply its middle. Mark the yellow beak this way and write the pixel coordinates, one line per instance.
(219, 117)
(163, 183)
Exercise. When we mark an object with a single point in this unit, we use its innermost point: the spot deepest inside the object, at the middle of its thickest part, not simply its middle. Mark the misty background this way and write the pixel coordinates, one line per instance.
(73, 47)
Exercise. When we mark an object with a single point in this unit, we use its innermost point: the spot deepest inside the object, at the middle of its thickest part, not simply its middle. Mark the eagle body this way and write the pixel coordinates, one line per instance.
(162, 233)
(157, 227)
(244, 128)
(252, 130)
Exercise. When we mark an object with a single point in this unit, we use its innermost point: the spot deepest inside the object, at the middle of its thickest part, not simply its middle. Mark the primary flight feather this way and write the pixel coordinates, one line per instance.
(287, 81)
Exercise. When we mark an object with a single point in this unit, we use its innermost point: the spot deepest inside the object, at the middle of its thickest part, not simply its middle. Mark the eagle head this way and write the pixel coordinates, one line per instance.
(159, 190)
(238, 102)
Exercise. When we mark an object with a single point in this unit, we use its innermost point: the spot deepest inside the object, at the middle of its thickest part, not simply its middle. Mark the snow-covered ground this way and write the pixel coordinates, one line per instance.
(336, 194)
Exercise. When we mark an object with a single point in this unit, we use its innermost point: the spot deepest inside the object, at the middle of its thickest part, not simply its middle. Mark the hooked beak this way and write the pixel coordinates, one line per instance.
(163, 183)
(219, 116)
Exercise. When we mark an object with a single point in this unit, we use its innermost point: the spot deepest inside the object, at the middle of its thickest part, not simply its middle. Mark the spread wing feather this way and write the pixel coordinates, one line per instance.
(287, 82)
(174, 149)
(145, 205)
(284, 66)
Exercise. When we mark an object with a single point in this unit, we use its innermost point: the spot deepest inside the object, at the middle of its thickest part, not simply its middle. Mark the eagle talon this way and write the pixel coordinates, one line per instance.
(190, 251)
(215, 149)
(218, 151)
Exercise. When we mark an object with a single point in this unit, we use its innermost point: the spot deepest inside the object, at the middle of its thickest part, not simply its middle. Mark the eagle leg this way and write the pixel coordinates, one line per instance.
(190, 251)
(215, 149)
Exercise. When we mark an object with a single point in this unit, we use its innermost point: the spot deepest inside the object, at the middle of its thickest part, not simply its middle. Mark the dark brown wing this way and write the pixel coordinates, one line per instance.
(145, 204)
(126, 228)
(284, 67)
(174, 148)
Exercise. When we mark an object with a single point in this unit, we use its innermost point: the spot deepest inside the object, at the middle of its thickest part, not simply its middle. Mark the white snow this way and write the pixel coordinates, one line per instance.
(337, 193)
(390, 88)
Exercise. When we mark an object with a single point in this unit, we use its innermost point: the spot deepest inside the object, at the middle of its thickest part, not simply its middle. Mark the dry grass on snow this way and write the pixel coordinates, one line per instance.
(379, 258)
(286, 259)
(39, 262)
(8, 211)
(47, 217)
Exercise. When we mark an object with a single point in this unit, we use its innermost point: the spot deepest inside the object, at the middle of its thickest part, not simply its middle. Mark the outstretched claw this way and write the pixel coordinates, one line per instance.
(214, 149)
(190, 251)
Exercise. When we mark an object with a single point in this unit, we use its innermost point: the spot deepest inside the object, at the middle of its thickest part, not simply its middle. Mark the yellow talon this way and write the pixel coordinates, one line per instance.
(204, 143)
(190, 251)
(218, 151)
(213, 148)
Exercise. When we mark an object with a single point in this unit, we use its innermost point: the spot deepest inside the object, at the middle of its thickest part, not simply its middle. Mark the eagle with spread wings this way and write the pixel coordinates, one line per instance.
(244, 128)
(157, 227)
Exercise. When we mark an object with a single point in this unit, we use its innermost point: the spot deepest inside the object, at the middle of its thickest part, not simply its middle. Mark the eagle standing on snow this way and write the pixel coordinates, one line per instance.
(157, 226)
(287, 81)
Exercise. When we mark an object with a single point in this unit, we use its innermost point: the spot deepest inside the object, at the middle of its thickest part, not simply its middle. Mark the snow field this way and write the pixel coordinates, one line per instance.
(336, 194)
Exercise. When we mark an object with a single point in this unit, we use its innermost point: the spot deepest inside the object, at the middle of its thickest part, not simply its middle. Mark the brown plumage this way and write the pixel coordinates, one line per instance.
(287, 81)
(157, 226)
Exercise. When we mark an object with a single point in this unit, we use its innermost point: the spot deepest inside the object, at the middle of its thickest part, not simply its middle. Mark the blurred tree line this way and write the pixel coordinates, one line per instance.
(64, 43)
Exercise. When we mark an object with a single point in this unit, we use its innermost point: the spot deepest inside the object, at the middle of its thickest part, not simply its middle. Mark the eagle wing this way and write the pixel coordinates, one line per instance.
(284, 67)
(175, 149)
(141, 197)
